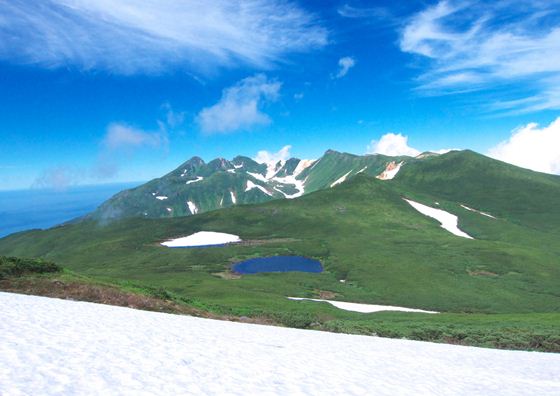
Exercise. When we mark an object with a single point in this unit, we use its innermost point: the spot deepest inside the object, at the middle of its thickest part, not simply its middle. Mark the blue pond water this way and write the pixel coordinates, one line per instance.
(278, 264)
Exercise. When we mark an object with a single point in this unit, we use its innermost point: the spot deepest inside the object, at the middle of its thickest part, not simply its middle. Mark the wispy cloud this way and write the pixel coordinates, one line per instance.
(349, 11)
(123, 136)
(532, 147)
(344, 65)
(150, 36)
(240, 106)
(477, 45)
(58, 178)
(119, 143)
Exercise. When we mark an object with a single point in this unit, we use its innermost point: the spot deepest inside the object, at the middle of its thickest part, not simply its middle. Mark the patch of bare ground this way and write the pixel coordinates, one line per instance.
(109, 295)
(482, 273)
(257, 242)
(325, 294)
(227, 275)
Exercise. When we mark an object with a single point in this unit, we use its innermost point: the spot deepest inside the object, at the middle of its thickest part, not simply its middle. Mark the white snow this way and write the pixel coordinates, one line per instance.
(161, 197)
(233, 198)
(390, 171)
(478, 211)
(298, 184)
(258, 176)
(251, 185)
(341, 179)
(363, 308)
(302, 165)
(222, 201)
(271, 168)
(361, 170)
(198, 178)
(202, 238)
(231, 171)
(238, 166)
(169, 210)
(192, 207)
(448, 221)
(58, 347)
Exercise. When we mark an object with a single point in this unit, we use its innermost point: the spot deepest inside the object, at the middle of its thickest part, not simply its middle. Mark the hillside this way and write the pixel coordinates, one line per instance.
(362, 231)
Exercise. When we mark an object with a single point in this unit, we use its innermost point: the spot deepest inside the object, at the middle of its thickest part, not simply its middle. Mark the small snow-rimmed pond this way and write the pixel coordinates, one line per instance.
(278, 264)
(202, 239)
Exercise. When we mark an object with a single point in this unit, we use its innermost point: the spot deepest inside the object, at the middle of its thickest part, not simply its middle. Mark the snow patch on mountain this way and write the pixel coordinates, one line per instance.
(251, 185)
(448, 221)
(298, 185)
(390, 171)
(302, 165)
(202, 238)
(258, 176)
(198, 178)
(363, 308)
(192, 207)
(233, 197)
(478, 211)
(340, 179)
(362, 170)
(51, 347)
(161, 197)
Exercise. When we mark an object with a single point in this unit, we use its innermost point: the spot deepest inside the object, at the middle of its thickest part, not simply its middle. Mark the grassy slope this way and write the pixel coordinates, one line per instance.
(361, 230)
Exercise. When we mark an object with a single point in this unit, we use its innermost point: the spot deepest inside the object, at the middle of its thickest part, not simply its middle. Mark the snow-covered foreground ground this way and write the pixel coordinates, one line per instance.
(50, 346)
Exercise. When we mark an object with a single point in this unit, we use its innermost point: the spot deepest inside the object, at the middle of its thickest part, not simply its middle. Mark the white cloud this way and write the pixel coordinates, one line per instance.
(240, 106)
(149, 36)
(122, 136)
(392, 144)
(532, 147)
(344, 65)
(266, 157)
(479, 45)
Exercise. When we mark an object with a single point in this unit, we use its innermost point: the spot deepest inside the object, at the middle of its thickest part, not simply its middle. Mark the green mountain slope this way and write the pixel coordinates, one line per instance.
(519, 195)
(197, 187)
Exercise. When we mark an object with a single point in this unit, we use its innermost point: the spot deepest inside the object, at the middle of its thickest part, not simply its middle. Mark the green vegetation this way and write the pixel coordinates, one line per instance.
(13, 267)
(500, 289)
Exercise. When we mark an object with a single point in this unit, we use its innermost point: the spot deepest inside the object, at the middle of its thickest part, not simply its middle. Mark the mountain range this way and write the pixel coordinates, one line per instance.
(197, 187)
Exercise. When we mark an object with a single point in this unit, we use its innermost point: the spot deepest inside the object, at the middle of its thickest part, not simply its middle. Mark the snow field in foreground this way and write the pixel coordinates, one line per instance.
(448, 221)
(363, 308)
(52, 347)
(202, 238)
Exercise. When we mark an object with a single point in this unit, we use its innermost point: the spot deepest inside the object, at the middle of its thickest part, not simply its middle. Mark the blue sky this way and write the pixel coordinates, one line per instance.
(105, 91)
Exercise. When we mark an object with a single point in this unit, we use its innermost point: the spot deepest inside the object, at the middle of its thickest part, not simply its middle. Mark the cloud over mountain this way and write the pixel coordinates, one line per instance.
(240, 106)
(392, 144)
(532, 147)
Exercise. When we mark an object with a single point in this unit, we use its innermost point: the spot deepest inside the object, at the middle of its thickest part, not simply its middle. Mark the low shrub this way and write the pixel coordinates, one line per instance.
(11, 267)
